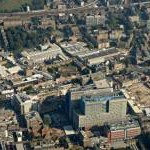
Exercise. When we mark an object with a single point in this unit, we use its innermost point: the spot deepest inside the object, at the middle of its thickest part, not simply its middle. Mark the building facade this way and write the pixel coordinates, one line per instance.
(99, 110)
(96, 107)
(122, 131)
(23, 104)
(74, 95)
(95, 20)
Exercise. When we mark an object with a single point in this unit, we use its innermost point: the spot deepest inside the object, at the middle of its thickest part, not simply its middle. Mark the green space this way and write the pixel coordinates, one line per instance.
(19, 38)
(20, 5)
(12, 5)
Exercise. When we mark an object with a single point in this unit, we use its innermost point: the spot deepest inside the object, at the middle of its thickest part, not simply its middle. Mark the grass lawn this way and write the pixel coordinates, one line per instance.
(12, 5)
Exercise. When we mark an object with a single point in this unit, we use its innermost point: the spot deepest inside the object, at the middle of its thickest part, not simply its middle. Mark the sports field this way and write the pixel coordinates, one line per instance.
(12, 5)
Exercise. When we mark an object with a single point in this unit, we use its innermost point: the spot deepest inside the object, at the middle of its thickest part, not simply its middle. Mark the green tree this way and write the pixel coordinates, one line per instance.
(37, 4)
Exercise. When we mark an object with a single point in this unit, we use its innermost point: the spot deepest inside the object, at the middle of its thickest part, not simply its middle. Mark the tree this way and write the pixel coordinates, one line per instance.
(19, 38)
(67, 32)
(35, 21)
(112, 21)
(37, 4)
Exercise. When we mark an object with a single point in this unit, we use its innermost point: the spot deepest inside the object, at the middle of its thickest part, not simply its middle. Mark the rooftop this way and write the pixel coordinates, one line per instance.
(101, 53)
(116, 96)
(124, 125)
(103, 83)
(68, 130)
(26, 80)
(33, 115)
(52, 48)
(75, 49)
(22, 97)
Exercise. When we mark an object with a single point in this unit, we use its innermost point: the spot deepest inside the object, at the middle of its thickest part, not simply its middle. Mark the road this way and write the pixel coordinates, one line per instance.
(47, 12)
(53, 12)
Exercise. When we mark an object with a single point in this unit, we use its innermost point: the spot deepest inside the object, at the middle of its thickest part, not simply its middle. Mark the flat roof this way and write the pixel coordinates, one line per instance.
(21, 97)
(52, 48)
(147, 111)
(103, 83)
(76, 49)
(102, 98)
(69, 130)
(19, 146)
(124, 125)
(134, 107)
(102, 53)
(33, 115)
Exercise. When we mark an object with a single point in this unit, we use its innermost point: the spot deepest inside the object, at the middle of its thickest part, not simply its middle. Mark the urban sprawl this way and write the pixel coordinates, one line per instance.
(75, 75)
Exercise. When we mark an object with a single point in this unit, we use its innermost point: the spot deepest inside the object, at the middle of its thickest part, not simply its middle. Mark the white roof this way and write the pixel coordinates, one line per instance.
(3, 71)
(11, 58)
(19, 146)
(69, 130)
(147, 111)
(14, 69)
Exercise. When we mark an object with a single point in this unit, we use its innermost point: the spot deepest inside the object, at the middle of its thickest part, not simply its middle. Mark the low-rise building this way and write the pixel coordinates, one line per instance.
(23, 82)
(47, 52)
(104, 44)
(122, 131)
(46, 22)
(119, 66)
(95, 20)
(8, 124)
(89, 139)
(101, 56)
(115, 34)
(34, 122)
(103, 35)
(135, 18)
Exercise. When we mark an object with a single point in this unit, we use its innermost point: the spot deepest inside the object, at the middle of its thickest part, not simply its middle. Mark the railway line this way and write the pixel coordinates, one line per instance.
(51, 12)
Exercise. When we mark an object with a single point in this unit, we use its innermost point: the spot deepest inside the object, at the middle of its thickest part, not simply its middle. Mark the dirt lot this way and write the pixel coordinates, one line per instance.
(141, 93)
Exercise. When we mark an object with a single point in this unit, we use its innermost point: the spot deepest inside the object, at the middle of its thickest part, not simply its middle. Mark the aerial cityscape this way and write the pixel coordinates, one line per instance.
(74, 74)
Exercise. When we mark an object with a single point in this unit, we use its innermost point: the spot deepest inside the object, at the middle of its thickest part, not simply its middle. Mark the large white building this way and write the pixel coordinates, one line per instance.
(101, 56)
(46, 52)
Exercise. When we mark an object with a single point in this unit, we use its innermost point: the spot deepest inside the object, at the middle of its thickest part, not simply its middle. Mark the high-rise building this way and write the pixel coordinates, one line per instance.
(91, 108)
(74, 95)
